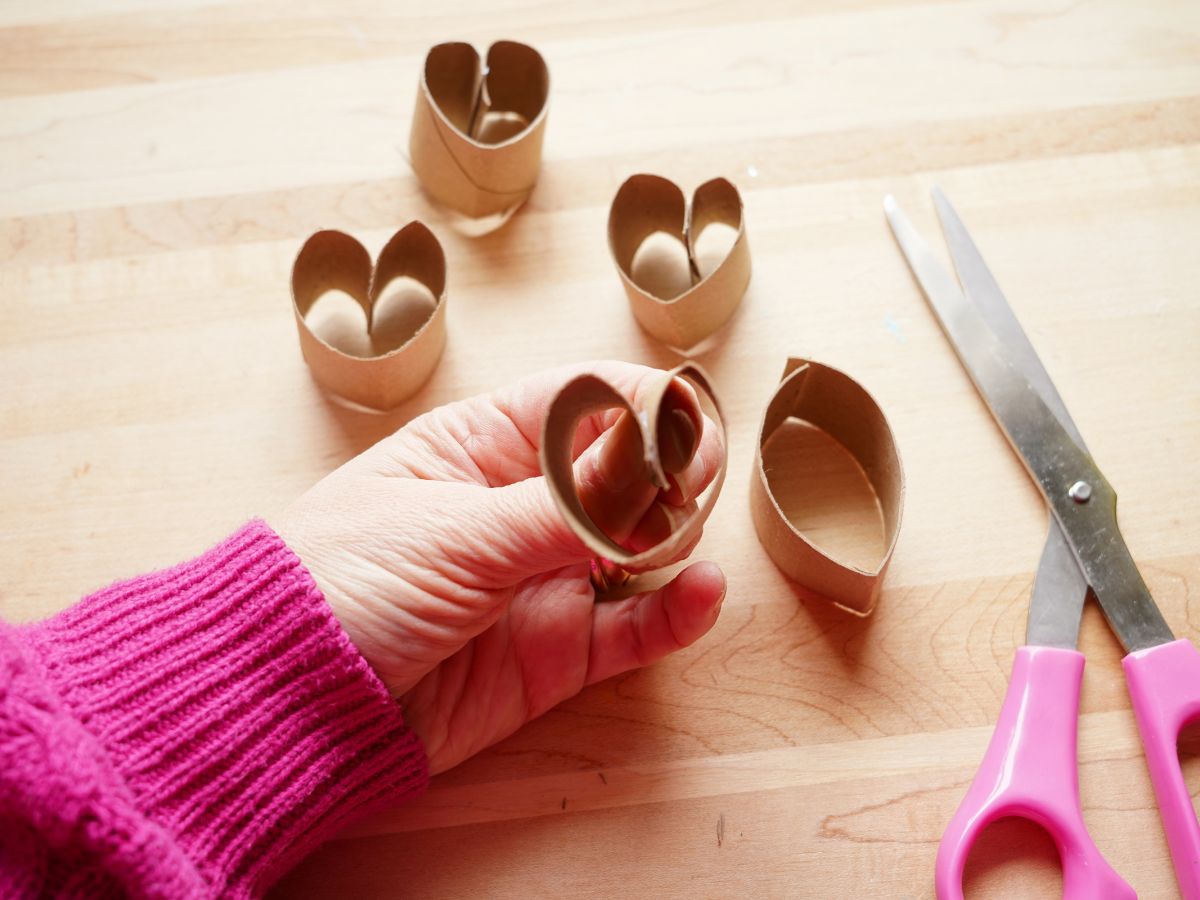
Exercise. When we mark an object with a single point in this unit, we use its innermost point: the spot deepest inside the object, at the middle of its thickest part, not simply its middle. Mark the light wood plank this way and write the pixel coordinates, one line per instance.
(160, 166)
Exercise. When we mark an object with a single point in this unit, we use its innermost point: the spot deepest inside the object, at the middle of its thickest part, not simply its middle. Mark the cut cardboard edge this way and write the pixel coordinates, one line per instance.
(587, 394)
(645, 204)
(834, 402)
(333, 260)
(475, 178)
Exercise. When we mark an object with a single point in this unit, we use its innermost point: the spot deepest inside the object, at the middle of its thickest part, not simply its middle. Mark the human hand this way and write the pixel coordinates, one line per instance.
(445, 559)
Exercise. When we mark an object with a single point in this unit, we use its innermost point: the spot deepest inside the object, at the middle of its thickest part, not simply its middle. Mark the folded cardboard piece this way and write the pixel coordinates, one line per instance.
(835, 403)
(332, 260)
(648, 204)
(587, 394)
(476, 141)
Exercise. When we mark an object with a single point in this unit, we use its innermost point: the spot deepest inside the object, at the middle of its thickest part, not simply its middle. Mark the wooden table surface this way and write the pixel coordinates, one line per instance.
(160, 166)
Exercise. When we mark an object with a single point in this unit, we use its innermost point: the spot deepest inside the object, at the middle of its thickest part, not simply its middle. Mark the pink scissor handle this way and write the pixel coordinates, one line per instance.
(1030, 771)
(1164, 683)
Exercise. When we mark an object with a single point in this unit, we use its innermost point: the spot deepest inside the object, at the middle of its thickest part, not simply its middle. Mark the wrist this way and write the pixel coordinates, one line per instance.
(356, 621)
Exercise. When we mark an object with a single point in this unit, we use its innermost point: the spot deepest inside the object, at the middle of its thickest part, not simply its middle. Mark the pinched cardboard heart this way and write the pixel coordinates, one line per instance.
(838, 405)
(332, 260)
(647, 204)
(587, 394)
(476, 141)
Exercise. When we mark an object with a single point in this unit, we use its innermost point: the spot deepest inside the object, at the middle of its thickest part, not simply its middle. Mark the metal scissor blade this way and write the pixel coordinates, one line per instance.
(1059, 588)
(980, 285)
(1052, 457)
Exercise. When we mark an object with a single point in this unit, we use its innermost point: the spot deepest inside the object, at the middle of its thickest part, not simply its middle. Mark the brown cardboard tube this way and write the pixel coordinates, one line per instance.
(835, 403)
(646, 204)
(333, 260)
(476, 140)
(588, 394)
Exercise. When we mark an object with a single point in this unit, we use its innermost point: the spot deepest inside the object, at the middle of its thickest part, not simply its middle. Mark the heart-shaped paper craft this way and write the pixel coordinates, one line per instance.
(648, 204)
(588, 394)
(332, 260)
(476, 141)
(838, 405)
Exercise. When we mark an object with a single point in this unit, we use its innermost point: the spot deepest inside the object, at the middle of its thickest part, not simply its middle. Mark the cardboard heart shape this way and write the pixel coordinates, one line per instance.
(587, 394)
(648, 204)
(838, 405)
(476, 141)
(333, 260)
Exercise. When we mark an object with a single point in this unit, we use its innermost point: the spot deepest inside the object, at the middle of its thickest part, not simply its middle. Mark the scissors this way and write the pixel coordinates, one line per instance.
(1030, 767)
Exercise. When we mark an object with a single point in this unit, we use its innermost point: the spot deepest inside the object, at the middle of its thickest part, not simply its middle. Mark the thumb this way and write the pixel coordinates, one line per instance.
(531, 536)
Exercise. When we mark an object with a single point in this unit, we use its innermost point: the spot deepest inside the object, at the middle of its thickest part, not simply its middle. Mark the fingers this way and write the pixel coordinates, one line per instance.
(529, 535)
(526, 401)
(493, 439)
(515, 530)
(612, 478)
(690, 483)
(644, 628)
(679, 425)
(658, 523)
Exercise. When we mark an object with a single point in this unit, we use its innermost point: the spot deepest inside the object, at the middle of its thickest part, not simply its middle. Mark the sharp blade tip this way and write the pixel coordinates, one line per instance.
(941, 201)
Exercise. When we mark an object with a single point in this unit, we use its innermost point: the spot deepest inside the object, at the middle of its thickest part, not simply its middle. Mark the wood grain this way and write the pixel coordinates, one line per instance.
(161, 163)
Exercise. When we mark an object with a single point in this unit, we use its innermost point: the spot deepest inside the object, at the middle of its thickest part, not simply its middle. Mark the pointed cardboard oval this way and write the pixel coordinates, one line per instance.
(838, 405)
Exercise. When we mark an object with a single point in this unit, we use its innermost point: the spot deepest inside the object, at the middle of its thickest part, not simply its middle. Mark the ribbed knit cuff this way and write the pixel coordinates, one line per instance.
(233, 706)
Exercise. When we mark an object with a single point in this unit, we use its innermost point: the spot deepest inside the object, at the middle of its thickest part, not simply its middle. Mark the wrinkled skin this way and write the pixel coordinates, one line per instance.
(445, 559)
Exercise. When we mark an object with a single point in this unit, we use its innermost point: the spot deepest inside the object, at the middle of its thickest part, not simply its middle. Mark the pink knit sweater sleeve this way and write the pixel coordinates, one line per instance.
(190, 733)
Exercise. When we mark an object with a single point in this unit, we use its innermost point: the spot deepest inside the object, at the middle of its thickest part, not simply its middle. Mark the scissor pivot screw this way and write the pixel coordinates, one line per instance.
(1080, 492)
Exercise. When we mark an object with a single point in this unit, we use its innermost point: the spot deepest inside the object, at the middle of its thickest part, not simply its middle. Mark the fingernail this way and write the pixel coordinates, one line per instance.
(678, 436)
